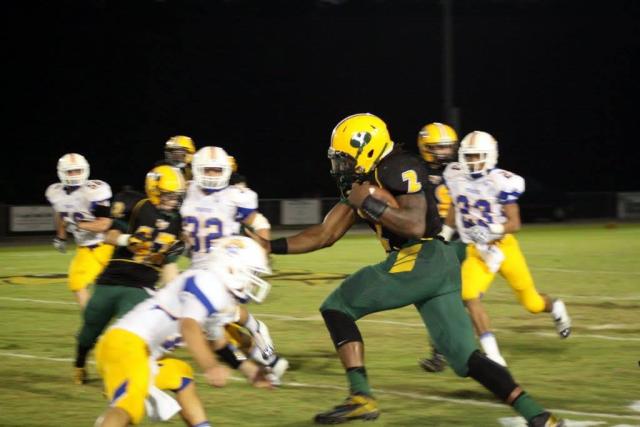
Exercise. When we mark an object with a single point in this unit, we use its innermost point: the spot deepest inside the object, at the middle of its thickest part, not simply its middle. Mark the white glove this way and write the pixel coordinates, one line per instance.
(492, 256)
(159, 406)
(60, 244)
(480, 234)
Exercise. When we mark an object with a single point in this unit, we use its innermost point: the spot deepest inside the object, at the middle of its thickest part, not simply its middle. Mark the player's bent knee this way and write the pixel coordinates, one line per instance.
(342, 327)
(491, 375)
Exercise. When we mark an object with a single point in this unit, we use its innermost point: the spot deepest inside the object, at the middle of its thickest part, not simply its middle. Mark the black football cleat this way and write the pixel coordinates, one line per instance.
(437, 362)
(355, 407)
(546, 419)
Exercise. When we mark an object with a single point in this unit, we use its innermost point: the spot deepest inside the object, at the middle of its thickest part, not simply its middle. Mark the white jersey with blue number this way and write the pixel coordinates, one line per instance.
(480, 201)
(207, 216)
(196, 294)
(79, 205)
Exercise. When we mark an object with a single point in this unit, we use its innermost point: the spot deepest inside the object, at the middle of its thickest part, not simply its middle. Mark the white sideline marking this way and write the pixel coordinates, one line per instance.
(520, 422)
(635, 406)
(379, 391)
(317, 318)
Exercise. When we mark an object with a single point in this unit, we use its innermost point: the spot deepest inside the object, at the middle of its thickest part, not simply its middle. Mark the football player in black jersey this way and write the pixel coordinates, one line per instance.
(178, 152)
(146, 233)
(420, 269)
(438, 146)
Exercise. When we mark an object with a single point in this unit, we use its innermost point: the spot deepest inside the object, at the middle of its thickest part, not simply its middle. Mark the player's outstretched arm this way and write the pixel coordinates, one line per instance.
(335, 225)
(198, 346)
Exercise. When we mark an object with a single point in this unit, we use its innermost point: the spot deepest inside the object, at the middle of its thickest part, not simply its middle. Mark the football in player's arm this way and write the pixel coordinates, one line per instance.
(147, 243)
(485, 213)
(185, 310)
(419, 270)
(82, 210)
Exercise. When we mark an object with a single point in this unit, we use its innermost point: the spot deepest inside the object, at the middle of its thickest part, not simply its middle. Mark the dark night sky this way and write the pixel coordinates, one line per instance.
(554, 81)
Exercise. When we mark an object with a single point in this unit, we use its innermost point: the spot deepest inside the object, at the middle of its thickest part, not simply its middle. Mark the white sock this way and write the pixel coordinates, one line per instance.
(558, 309)
(490, 347)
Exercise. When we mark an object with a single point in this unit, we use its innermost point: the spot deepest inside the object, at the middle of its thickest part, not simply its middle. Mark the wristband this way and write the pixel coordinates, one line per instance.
(373, 207)
(279, 246)
(231, 356)
(123, 240)
(496, 228)
(447, 232)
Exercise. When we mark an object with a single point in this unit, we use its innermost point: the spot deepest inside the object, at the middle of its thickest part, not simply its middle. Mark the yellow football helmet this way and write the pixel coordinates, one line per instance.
(179, 150)
(438, 144)
(165, 187)
(234, 164)
(358, 143)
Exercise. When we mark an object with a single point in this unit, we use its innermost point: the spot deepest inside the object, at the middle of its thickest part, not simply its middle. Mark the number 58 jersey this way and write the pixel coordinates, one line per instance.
(207, 216)
(480, 201)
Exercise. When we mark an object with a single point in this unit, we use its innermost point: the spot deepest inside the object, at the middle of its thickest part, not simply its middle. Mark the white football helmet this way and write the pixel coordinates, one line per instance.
(73, 162)
(211, 158)
(484, 149)
(238, 261)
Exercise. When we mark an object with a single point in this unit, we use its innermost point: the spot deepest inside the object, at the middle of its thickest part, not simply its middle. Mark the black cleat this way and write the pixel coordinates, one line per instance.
(355, 407)
(437, 362)
(546, 419)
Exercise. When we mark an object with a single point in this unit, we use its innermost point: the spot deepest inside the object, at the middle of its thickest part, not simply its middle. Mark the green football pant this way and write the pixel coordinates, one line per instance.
(426, 275)
(460, 249)
(107, 302)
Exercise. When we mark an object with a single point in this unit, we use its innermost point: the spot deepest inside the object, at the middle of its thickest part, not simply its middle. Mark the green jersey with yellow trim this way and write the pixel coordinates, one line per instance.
(440, 190)
(140, 265)
(404, 173)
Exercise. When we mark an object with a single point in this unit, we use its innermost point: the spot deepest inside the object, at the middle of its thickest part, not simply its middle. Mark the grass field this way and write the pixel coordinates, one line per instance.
(593, 378)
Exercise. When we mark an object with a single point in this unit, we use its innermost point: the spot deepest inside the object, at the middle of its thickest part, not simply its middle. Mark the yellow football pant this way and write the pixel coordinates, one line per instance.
(86, 264)
(123, 363)
(476, 277)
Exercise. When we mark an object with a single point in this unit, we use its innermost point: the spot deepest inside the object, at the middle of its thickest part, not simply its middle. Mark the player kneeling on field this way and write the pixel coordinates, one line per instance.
(186, 309)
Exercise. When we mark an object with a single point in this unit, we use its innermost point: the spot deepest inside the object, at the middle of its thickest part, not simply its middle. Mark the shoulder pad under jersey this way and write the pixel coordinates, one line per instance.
(401, 173)
(510, 186)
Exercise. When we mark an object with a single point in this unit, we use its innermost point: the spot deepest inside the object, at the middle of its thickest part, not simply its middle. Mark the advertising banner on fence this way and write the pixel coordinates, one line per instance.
(300, 211)
(31, 218)
(629, 205)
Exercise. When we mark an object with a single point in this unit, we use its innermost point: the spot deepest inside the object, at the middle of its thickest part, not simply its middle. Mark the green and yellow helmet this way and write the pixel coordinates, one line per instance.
(179, 150)
(438, 144)
(358, 143)
(165, 187)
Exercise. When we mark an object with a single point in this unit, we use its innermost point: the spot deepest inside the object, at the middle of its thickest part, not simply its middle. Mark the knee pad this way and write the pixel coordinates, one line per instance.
(343, 329)
(491, 375)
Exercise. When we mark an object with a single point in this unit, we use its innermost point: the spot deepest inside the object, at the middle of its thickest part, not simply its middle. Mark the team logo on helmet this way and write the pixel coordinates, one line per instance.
(360, 139)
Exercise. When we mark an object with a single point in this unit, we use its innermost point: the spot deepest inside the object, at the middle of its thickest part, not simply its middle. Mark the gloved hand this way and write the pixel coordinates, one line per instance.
(138, 241)
(176, 249)
(480, 234)
(60, 244)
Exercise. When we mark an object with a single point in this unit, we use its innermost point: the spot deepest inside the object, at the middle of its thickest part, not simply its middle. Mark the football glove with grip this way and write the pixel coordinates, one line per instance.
(480, 234)
(60, 244)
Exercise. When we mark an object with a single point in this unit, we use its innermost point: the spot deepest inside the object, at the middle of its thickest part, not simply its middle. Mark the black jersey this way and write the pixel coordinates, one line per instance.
(405, 173)
(440, 190)
(141, 268)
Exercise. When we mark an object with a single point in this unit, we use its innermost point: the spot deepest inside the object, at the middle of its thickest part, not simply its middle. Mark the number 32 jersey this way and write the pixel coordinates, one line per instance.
(480, 201)
(207, 216)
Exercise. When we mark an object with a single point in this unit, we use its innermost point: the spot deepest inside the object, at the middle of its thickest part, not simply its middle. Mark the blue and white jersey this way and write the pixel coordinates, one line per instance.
(207, 216)
(480, 201)
(79, 205)
(196, 294)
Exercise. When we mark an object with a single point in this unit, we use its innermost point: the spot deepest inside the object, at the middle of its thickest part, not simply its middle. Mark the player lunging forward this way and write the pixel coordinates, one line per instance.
(187, 308)
(213, 209)
(419, 270)
(486, 215)
(82, 210)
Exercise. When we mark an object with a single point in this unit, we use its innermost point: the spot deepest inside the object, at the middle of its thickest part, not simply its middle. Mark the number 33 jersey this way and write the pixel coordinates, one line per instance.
(207, 216)
(480, 201)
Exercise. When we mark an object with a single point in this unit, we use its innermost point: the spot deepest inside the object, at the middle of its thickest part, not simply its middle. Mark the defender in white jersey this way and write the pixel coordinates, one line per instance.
(188, 308)
(82, 209)
(486, 214)
(213, 209)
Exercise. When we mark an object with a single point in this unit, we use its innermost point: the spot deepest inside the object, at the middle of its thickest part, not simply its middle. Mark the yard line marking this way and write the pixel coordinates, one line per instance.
(317, 318)
(569, 270)
(376, 390)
